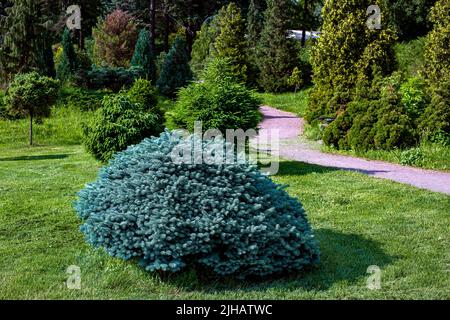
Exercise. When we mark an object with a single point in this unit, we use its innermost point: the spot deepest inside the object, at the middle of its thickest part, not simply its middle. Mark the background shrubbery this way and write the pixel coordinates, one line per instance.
(230, 219)
(116, 125)
(219, 101)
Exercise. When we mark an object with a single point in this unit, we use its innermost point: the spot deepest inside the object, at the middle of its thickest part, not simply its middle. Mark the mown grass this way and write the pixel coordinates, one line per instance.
(431, 155)
(290, 102)
(359, 221)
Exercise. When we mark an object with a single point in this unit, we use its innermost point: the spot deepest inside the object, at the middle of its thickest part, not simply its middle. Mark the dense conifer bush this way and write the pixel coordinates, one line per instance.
(230, 219)
(220, 102)
(144, 93)
(108, 78)
(116, 125)
(376, 119)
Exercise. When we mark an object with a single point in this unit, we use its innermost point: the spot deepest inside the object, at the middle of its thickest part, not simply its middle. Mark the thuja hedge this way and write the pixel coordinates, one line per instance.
(230, 219)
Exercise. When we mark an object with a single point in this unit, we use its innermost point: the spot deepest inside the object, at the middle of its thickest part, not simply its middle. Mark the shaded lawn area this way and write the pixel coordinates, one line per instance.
(360, 221)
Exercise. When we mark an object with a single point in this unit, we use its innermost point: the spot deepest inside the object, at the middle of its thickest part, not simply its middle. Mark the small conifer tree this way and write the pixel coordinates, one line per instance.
(175, 71)
(230, 43)
(68, 63)
(277, 53)
(143, 56)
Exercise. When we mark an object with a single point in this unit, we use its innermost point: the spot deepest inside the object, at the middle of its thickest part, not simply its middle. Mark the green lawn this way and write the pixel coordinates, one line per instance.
(360, 221)
(291, 102)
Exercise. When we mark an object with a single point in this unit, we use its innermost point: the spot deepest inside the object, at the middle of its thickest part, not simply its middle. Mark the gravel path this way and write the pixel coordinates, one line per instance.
(295, 148)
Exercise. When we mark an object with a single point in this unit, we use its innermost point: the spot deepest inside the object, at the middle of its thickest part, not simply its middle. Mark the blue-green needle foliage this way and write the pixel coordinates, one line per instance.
(229, 218)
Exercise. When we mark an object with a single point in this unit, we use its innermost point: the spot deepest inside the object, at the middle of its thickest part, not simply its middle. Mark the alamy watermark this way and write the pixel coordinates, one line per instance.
(235, 146)
(374, 280)
(74, 280)
(374, 19)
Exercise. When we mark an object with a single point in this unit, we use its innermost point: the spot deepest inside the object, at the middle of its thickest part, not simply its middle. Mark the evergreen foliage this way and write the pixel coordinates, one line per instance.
(376, 119)
(175, 71)
(230, 43)
(68, 61)
(144, 57)
(220, 102)
(277, 53)
(24, 44)
(114, 79)
(255, 25)
(116, 125)
(435, 122)
(230, 219)
(115, 38)
(203, 49)
(347, 52)
(144, 93)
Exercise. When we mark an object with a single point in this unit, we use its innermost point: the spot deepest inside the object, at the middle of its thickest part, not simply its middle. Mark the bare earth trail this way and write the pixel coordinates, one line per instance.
(294, 147)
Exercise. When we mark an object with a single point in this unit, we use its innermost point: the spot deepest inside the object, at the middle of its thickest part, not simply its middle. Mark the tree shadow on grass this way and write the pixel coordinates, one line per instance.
(344, 258)
(295, 168)
(33, 158)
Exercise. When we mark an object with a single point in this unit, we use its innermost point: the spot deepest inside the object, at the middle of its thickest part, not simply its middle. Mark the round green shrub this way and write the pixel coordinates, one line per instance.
(116, 125)
(142, 92)
(228, 218)
(219, 101)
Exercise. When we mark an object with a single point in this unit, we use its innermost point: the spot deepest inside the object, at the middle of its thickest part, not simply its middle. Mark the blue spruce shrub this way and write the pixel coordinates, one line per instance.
(230, 219)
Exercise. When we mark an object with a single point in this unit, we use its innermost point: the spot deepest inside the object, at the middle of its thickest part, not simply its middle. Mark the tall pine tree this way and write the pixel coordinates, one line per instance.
(277, 53)
(175, 71)
(230, 44)
(255, 25)
(348, 52)
(144, 57)
(68, 64)
(25, 40)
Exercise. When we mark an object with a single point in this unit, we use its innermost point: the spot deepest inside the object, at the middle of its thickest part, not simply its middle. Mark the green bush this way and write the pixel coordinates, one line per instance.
(142, 92)
(412, 157)
(220, 102)
(67, 61)
(435, 121)
(203, 47)
(434, 124)
(81, 99)
(414, 97)
(376, 120)
(114, 79)
(116, 125)
(410, 57)
(3, 106)
(226, 218)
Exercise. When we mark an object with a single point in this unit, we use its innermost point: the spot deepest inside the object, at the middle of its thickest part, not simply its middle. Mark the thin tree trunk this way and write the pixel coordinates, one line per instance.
(153, 22)
(31, 129)
(166, 31)
(305, 13)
